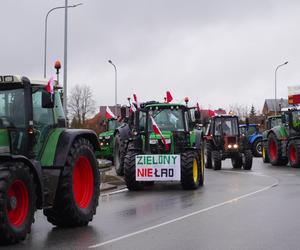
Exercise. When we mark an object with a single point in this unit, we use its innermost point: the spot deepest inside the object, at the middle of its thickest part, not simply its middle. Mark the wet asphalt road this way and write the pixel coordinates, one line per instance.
(256, 209)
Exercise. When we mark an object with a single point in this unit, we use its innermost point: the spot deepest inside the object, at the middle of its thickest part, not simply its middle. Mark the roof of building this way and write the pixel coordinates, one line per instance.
(273, 105)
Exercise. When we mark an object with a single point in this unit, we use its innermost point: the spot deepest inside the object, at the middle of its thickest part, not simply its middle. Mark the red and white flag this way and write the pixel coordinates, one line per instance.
(50, 85)
(132, 107)
(211, 113)
(169, 97)
(158, 132)
(135, 100)
(109, 114)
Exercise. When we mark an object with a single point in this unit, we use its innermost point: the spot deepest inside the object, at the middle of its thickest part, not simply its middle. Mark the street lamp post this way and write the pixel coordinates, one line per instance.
(116, 93)
(46, 25)
(276, 84)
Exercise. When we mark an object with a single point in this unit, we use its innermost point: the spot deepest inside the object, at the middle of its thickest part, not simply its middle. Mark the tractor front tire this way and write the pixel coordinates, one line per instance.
(207, 153)
(119, 155)
(78, 188)
(216, 160)
(190, 170)
(247, 159)
(257, 148)
(237, 161)
(129, 171)
(294, 153)
(17, 202)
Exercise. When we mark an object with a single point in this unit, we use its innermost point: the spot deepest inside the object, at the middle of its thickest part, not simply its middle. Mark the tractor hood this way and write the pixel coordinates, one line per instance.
(106, 134)
(166, 135)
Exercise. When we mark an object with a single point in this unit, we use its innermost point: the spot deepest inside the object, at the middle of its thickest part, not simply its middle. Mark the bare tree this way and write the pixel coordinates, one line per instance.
(240, 110)
(81, 104)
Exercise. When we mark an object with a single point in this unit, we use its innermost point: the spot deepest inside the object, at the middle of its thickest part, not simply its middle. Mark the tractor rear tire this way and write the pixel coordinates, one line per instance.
(216, 160)
(78, 188)
(119, 155)
(257, 148)
(247, 159)
(17, 202)
(294, 153)
(190, 170)
(129, 171)
(275, 151)
(237, 161)
(265, 155)
(207, 153)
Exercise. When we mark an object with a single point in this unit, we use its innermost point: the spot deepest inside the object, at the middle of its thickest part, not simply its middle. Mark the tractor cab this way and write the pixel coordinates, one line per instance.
(28, 113)
(174, 122)
(224, 130)
(291, 117)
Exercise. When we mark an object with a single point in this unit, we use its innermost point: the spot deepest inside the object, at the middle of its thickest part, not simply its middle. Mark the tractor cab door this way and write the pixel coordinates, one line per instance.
(43, 121)
(217, 131)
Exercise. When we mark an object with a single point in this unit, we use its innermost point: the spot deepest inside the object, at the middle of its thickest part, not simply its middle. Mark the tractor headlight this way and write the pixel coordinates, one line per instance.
(153, 141)
(107, 137)
(101, 143)
(229, 146)
(235, 146)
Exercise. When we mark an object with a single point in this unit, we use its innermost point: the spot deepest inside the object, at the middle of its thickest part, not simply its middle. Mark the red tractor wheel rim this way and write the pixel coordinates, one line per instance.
(18, 203)
(83, 182)
(273, 149)
(293, 156)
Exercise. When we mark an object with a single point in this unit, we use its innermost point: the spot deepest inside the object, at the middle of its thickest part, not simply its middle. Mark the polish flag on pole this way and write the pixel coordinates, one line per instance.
(109, 114)
(132, 108)
(158, 132)
(211, 113)
(135, 100)
(169, 97)
(50, 85)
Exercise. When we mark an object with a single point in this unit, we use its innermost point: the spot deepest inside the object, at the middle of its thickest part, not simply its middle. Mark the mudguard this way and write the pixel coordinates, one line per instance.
(255, 137)
(35, 168)
(124, 132)
(66, 140)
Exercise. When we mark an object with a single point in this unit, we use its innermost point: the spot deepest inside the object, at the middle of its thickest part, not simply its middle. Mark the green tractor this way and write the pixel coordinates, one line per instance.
(107, 139)
(271, 122)
(283, 141)
(223, 140)
(43, 164)
(161, 144)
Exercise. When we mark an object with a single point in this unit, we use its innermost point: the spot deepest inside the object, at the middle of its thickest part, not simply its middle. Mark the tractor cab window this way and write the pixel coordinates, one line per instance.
(218, 127)
(230, 126)
(296, 119)
(112, 124)
(276, 122)
(142, 120)
(168, 119)
(12, 108)
(43, 120)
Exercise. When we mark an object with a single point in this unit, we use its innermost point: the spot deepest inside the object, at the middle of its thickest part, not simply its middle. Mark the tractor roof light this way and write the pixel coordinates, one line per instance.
(186, 99)
(57, 65)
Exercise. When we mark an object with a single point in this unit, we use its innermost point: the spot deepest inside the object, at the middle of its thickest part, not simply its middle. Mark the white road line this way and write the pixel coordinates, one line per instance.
(116, 192)
(184, 216)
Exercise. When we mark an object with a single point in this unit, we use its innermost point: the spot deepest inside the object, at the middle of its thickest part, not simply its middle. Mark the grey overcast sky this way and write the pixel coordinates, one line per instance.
(216, 52)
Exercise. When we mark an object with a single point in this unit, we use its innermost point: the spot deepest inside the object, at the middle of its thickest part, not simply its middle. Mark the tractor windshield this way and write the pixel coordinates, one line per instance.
(12, 108)
(112, 124)
(226, 126)
(167, 119)
(296, 119)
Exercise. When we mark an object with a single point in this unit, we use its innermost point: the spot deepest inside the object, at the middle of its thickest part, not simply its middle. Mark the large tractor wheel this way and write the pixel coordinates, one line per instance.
(119, 155)
(237, 161)
(294, 153)
(216, 160)
(78, 189)
(257, 148)
(129, 171)
(207, 154)
(274, 151)
(190, 170)
(17, 202)
(265, 155)
(202, 165)
(247, 159)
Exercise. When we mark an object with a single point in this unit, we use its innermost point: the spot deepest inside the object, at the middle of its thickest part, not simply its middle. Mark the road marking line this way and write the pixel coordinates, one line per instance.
(116, 192)
(184, 216)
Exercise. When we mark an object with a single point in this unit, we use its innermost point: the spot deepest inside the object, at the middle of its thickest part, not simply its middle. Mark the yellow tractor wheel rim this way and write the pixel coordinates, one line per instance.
(195, 171)
(202, 164)
(263, 153)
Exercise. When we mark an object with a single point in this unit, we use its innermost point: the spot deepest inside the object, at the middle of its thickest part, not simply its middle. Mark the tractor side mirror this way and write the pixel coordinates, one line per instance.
(197, 116)
(283, 118)
(61, 122)
(47, 100)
